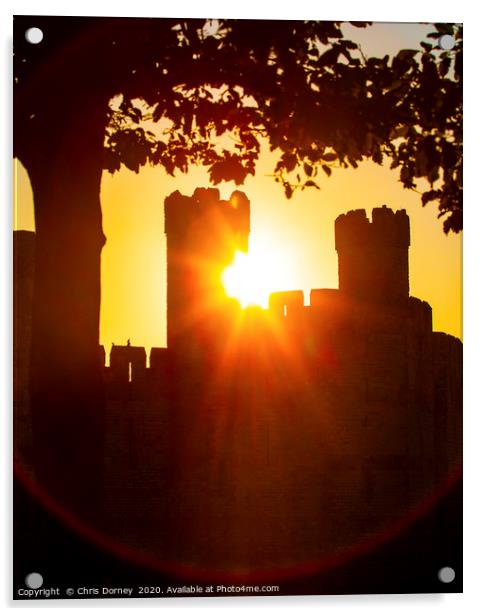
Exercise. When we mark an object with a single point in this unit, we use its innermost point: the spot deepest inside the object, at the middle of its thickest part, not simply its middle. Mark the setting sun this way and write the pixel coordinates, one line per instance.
(253, 276)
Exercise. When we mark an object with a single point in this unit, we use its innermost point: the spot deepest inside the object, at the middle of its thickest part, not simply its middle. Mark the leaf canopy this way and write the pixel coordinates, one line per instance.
(176, 92)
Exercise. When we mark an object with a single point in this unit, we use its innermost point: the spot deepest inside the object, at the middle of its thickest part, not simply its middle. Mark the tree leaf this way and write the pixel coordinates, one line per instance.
(308, 169)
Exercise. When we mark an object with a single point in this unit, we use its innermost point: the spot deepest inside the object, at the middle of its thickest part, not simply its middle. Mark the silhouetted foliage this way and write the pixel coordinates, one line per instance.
(302, 86)
(313, 95)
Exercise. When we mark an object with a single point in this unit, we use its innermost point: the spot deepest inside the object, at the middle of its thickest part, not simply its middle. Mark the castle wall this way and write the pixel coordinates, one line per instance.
(294, 430)
(372, 364)
(448, 384)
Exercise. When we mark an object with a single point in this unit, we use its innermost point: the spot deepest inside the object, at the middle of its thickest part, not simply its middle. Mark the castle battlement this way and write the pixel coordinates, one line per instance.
(372, 298)
(286, 302)
(206, 209)
(389, 228)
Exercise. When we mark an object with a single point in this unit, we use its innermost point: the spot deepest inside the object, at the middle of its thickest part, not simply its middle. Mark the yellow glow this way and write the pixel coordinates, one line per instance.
(297, 235)
(291, 242)
(253, 276)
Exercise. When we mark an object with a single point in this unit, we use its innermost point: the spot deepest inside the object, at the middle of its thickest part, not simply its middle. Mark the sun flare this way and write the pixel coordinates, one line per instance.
(253, 276)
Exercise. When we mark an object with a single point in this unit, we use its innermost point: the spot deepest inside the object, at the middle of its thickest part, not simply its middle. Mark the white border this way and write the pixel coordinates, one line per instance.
(428, 10)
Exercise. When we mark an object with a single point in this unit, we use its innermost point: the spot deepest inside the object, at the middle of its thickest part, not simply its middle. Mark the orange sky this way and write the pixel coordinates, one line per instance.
(300, 232)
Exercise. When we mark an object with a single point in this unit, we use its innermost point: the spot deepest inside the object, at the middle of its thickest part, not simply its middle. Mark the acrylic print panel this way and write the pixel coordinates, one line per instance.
(236, 327)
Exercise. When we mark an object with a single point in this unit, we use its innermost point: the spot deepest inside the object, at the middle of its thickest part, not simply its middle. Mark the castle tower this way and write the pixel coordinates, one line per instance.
(203, 233)
(373, 256)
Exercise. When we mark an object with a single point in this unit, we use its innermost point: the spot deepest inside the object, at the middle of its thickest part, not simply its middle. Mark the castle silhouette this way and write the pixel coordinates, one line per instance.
(279, 436)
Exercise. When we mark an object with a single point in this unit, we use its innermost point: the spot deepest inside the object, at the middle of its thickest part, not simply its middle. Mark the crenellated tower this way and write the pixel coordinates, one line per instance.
(203, 233)
(373, 256)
